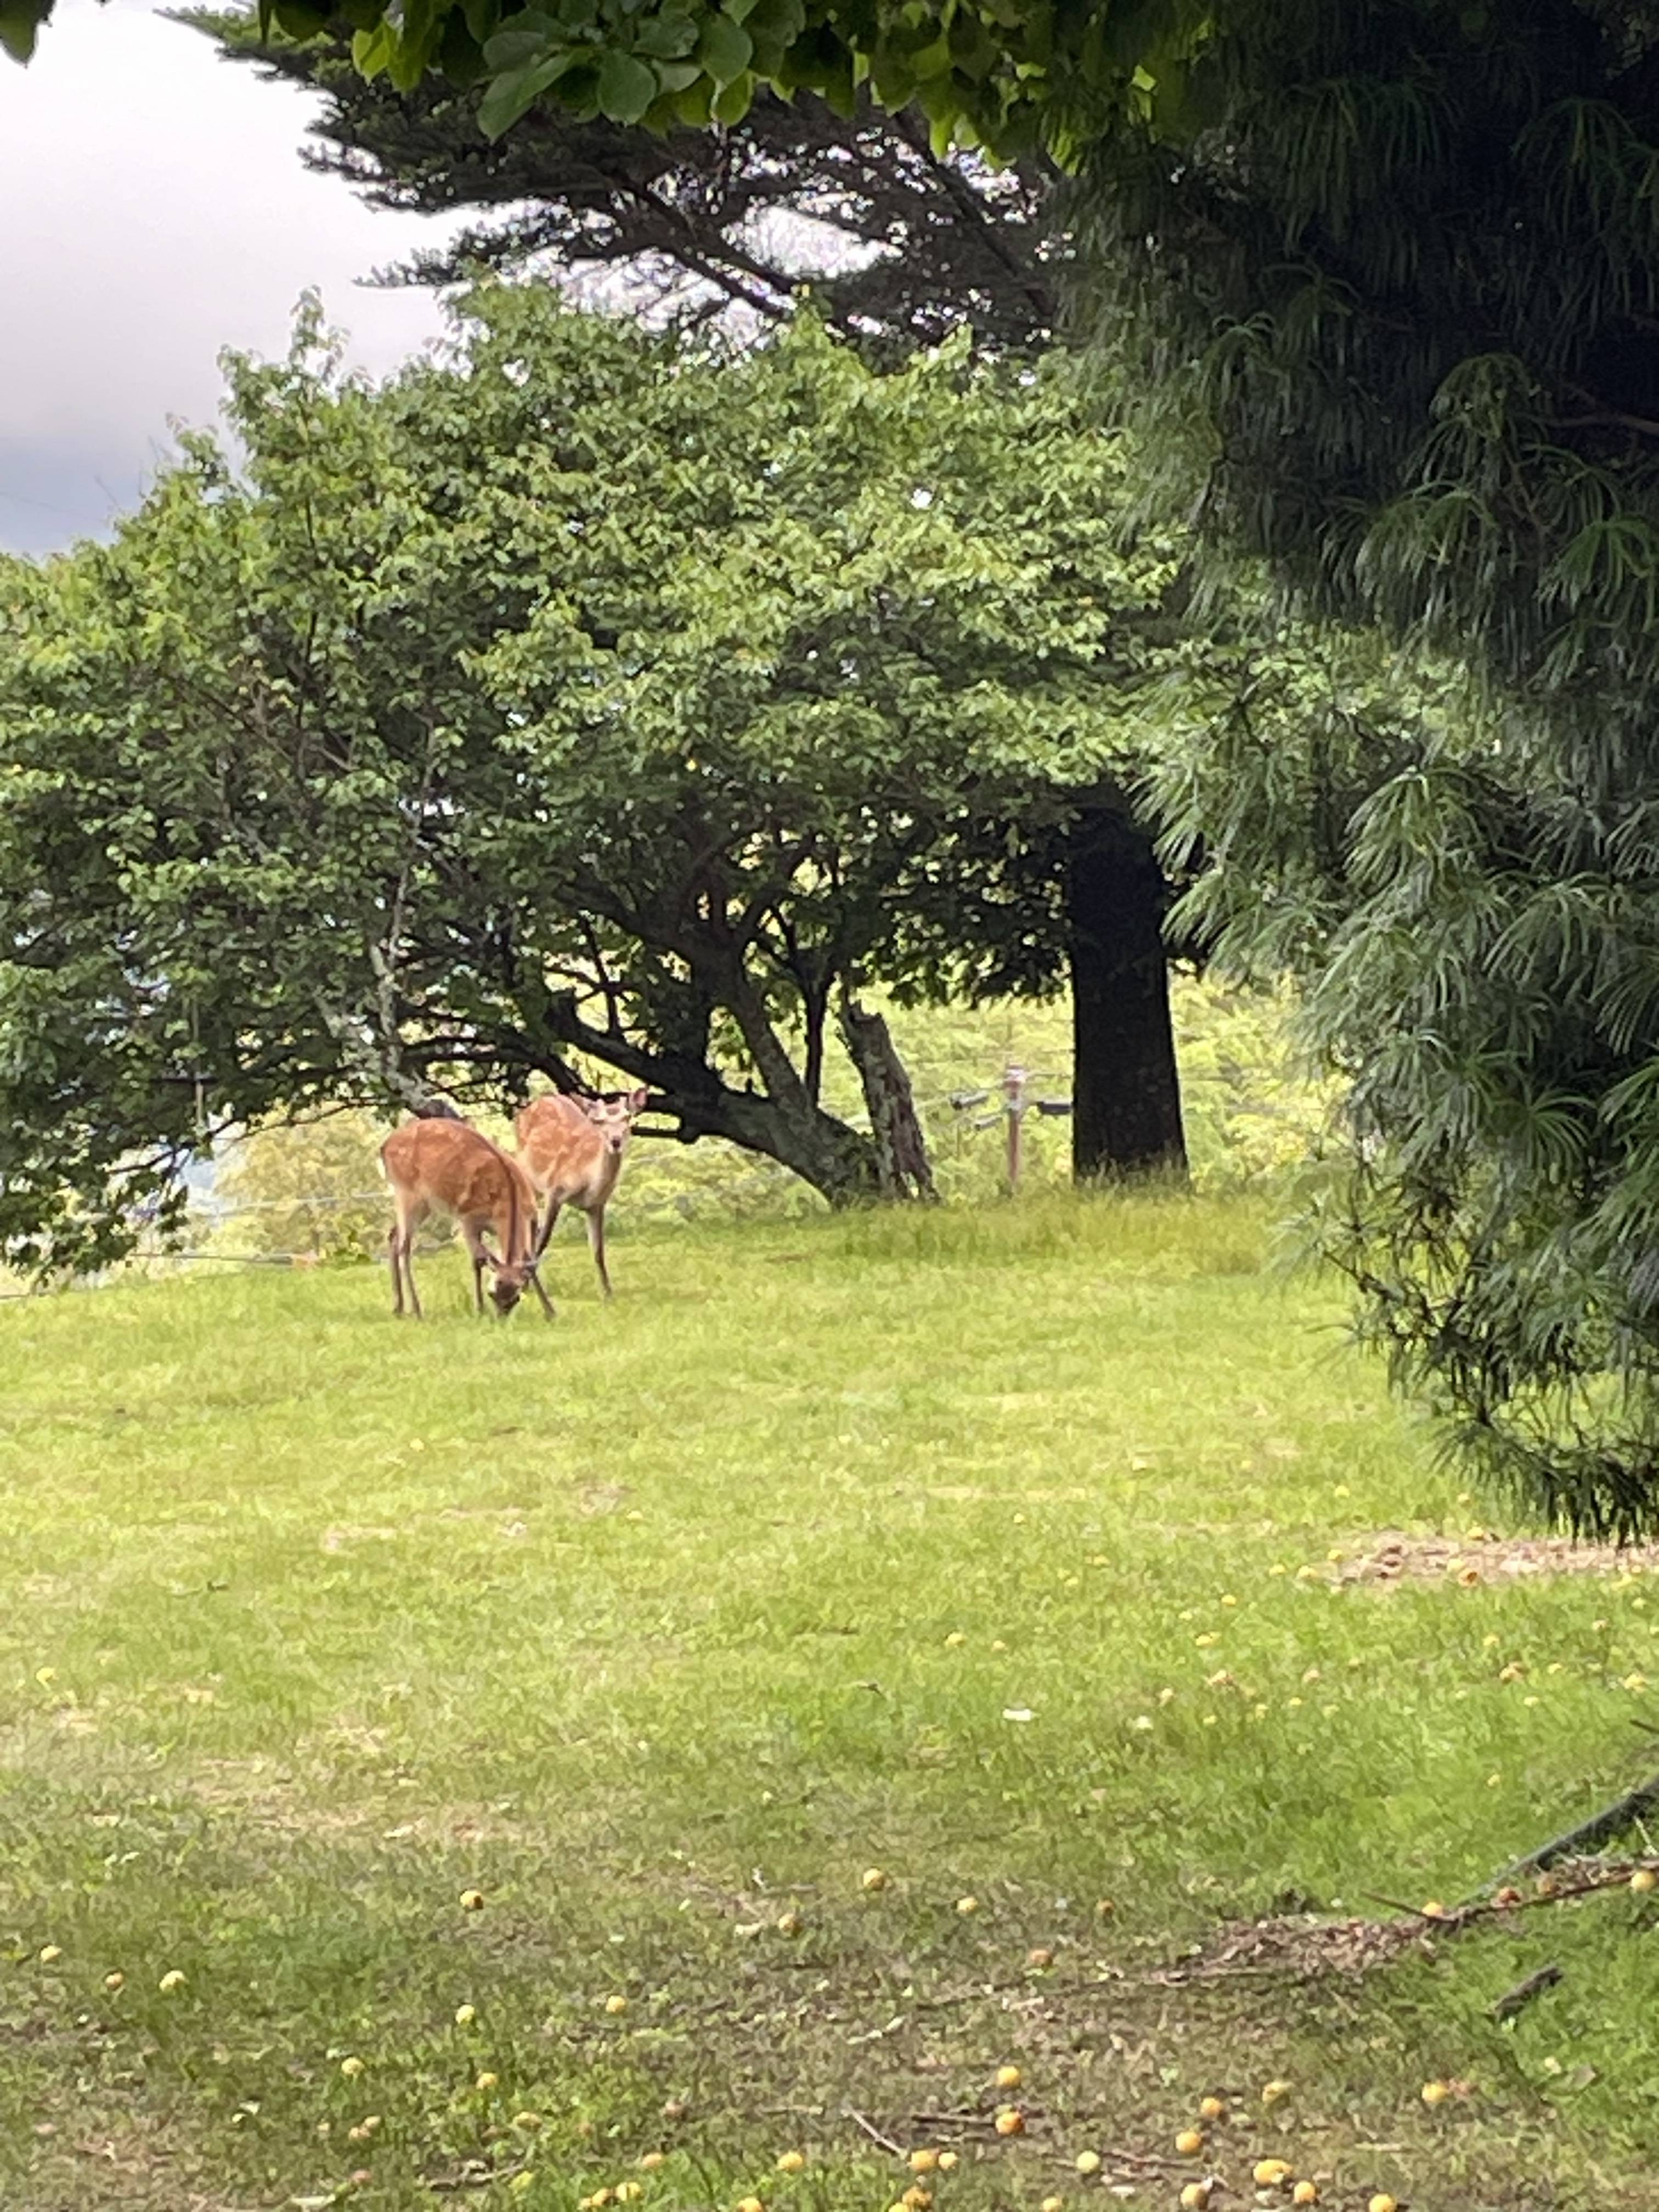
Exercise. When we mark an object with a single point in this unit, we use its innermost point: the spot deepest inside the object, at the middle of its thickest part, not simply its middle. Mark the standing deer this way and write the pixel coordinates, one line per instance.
(448, 1166)
(572, 1151)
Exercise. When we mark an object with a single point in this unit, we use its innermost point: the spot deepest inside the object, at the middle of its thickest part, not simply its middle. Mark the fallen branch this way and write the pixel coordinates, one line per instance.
(476, 2173)
(1515, 1999)
(1588, 1836)
(870, 2128)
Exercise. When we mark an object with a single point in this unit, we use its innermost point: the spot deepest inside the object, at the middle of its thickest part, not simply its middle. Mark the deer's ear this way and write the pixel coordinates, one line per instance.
(637, 1101)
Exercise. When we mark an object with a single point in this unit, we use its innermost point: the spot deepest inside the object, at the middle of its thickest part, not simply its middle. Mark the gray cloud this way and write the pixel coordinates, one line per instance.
(157, 210)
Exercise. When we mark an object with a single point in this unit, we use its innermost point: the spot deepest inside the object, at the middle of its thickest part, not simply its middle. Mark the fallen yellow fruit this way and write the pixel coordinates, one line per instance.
(1106, 1908)
(874, 1878)
(527, 2123)
(651, 2161)
(916, 2198)
(1212, 2108)
(1644, 1879)
(750, 2204)
(49, 1953)
(1304, 2193)
(1008, 2077)
(1194, 2196)
(1041, 1957)
(1270, 2172)
(1383, 2202)
(115, 1981)
(923, 2161)
(172, 1980)
(465, 2016)
(1009, 2121)
(1274, 2093)
(1054, 2204)
(352, 2068)
(965, 1905)
(947, 2159)
(1435, 2092)
(673, 2110)
(791, 2162)
(472, 1900)
(1190, 2142)
(627, 2192)
(1087, 2161)
(488, 2082)
(614, 2004)
(790, 1923)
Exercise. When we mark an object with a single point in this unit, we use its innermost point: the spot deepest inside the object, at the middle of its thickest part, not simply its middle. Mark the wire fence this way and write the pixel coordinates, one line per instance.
(217, 1213)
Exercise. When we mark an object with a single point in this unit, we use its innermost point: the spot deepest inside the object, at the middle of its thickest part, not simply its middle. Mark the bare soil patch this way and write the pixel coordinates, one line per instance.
(1392, 1556)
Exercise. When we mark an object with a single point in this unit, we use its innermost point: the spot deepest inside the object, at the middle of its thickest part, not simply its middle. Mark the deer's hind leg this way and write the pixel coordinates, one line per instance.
(401, 1243)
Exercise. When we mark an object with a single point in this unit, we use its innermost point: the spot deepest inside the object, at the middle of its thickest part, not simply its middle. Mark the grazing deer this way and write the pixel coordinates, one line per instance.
(448, 1166)
(572, 1151)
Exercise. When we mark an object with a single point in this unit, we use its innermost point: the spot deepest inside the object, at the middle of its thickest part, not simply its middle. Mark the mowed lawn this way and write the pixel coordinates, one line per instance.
(784, 1655)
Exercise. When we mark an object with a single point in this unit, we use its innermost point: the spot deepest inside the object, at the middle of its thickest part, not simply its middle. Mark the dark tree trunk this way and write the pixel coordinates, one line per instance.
(1125, 1112)
(901, 1165)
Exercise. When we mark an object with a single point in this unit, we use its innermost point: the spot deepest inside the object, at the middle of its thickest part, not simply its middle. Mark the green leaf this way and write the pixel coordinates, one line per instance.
(511, 96)
(409, 55)
(733, 101)
(521, 41)
(725, 49)
(300, 20)
(892, 77)
(626, 86)
(20, 21)
(667, 37)
(458, 54)
(695, 105)
(372, 50)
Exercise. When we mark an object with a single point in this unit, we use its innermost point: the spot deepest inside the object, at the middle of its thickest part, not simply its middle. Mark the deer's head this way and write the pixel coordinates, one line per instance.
(614, 1116)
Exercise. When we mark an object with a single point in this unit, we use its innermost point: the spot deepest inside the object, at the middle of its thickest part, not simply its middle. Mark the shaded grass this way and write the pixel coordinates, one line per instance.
(682, 1615)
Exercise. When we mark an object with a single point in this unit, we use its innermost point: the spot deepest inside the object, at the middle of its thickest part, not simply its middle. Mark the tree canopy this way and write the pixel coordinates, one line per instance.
(1005, 73)
(899, 245)
(582, 695)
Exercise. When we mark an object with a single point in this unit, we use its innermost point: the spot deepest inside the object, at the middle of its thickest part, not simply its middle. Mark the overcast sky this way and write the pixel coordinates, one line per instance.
(155, 210)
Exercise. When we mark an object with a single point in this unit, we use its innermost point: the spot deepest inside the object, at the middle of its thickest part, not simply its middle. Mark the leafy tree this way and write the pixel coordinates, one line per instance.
(934, 243)
(582, 695)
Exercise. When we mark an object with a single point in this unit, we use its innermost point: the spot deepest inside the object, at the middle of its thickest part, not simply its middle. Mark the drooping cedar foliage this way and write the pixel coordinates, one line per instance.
(1398, 287)
(902, 244)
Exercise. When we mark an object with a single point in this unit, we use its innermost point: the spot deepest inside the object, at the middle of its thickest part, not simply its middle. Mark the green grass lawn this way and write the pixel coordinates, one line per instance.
(995, 1550)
